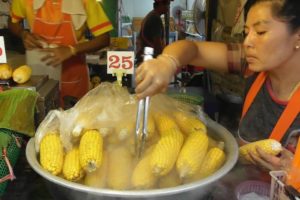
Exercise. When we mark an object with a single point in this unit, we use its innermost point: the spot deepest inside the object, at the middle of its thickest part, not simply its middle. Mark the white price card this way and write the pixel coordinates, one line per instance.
(120, 60)
(2, 50)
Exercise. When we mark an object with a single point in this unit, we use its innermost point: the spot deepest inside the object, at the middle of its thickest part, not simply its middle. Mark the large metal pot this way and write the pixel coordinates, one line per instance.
(62, 189)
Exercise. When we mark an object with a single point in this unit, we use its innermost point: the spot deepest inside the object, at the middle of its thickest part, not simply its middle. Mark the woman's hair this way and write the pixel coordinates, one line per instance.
(285, 10)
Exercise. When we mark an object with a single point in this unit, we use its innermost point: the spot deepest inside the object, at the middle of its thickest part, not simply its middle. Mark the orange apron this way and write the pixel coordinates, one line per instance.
(284, 122)
(56, 27)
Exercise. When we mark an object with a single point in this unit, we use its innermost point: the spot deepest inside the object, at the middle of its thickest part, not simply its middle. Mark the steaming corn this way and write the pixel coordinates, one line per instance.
(189, 123)
(72, 170)
(91, 150)
(164, 123)
(51, 153)
(192, 154)
(166, 151)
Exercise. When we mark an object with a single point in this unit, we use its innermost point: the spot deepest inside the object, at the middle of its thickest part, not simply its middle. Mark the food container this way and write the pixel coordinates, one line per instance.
(65, 190)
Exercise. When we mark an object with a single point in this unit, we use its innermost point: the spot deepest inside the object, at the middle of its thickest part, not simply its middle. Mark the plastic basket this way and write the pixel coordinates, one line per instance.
(258, 187)
(13, 152)
(277, 186)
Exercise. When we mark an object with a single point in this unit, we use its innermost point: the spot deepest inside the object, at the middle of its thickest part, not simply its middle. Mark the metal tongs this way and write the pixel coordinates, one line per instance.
(143, 107)
(141, 131)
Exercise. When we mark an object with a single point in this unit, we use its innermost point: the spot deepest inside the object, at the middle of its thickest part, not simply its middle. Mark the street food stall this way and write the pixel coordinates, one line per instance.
(109, 145)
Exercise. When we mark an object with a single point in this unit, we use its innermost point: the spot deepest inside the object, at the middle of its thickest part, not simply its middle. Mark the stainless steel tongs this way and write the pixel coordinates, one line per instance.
(141, 131)
(143, 107)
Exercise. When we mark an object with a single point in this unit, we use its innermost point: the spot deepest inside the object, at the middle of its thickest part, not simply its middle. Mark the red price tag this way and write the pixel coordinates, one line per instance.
(2, 51)
(120, 60)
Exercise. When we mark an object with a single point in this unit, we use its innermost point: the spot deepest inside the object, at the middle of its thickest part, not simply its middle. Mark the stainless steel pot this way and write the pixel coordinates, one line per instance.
(64, 190)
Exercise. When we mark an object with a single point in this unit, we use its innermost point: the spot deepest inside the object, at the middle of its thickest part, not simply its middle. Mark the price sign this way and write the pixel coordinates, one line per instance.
(120, 60)
(2, 51)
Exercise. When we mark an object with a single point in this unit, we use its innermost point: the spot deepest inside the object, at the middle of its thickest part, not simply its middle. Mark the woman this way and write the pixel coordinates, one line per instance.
(62, 24)
(272, 51)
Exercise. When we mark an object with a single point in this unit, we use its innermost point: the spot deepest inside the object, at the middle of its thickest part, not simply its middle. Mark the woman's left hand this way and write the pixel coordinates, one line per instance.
(55, 56)
(270, 162)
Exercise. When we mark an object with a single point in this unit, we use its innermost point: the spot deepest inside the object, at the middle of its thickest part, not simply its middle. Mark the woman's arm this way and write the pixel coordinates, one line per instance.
(153, 76)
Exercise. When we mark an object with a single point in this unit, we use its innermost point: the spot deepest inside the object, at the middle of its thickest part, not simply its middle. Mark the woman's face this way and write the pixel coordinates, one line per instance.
(268, 43)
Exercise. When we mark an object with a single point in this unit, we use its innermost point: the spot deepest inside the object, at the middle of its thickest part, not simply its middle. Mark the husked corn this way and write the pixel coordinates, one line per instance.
(213, 160)
(120, 165)
(72, 170)
(166, 151)
(192, 154)
(52, 153)
(98, 177)
(269, 146)
(91, 150)
(189, 123)
(142, 177)
(164, 122)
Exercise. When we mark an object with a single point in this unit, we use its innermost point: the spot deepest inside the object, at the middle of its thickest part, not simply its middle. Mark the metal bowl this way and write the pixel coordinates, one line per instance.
(65, 190)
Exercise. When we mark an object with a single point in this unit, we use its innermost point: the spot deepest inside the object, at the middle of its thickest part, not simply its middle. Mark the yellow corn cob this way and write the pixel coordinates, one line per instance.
(166, 151)
(213, 160)
(72, 170)
(22, 74)
(142, 177)
(5, 71)
(189, 123)
(91, 150)
(269, 146)
(98, 178)
(170, 180)
(164, 122)
(51, 153)
(192, 154)
(120, 165)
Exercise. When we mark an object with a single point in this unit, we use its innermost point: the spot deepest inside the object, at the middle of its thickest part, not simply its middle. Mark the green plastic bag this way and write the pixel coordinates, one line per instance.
(17, 108)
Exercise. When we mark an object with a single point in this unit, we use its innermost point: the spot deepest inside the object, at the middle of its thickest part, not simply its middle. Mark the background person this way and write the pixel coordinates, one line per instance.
(152, 33)
(63, 23)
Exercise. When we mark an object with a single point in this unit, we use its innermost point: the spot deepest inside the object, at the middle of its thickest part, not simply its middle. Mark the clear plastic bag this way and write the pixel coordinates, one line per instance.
(111, 110)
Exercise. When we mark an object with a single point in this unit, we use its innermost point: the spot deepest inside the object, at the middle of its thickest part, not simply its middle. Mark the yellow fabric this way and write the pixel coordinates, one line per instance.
(97, 21)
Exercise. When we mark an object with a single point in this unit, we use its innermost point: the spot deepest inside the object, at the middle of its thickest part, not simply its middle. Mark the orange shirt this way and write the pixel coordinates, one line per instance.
(96, 20)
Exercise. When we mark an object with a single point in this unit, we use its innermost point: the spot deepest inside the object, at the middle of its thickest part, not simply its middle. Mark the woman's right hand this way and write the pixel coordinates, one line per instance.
(32, 41)
(153, 76)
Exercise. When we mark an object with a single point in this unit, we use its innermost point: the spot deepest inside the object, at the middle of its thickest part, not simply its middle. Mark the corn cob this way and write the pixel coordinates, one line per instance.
(91, 150)
(22, 74)
(142, 177)
(170, 180)
(269, 146)
(166, 151)
(164, 122)
(98, 177)
(213, 160)
(51, 153)
(189, 123)
(5, 71)
(72, 170)
(192, 154)
(120, 165)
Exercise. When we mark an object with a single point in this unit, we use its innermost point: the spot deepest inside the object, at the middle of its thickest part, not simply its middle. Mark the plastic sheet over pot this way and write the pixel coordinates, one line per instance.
(64, 190)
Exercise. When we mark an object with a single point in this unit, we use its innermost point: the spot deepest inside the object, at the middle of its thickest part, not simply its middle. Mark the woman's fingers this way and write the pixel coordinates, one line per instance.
(268, 157)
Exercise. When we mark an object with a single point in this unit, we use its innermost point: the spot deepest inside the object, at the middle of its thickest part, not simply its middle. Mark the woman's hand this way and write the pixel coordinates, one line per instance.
(55, 56)
(269, 162)
(153, 76)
